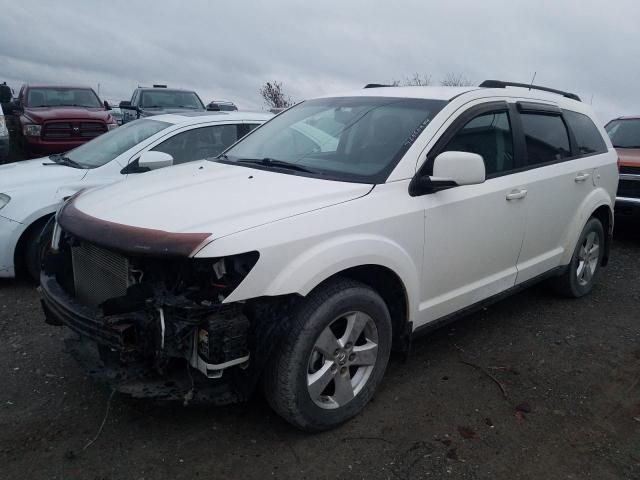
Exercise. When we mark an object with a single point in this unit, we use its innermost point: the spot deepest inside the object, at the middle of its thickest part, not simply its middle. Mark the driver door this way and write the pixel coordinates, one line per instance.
(473, 233)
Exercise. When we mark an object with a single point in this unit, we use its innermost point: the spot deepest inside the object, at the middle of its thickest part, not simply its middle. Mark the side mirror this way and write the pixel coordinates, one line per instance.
(106, 105)
(450, 169)
(125, 104)
(461, 168)
(213, 107)
(154, 160)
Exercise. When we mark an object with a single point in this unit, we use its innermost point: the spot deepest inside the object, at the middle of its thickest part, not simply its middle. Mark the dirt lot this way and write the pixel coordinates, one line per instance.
(570, 371)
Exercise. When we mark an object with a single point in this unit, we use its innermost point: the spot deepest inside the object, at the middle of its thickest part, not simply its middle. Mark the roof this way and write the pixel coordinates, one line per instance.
(430, 93)
(165, 89)
(449, 93)
(628, 117)
(188, 118)
(53, 85)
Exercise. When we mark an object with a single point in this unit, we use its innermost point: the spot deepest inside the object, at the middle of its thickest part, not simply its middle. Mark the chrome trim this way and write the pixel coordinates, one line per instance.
(630, 176)
(627, 201)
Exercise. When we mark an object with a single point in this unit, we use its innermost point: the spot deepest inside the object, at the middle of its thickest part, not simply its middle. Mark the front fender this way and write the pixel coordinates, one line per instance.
(305, 270)
(590, 204)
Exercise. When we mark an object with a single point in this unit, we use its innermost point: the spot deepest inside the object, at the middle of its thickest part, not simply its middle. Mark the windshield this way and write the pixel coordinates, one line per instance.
(170, 99)
(358, 139)
(62, 97)
(624, 133)
(108, 146)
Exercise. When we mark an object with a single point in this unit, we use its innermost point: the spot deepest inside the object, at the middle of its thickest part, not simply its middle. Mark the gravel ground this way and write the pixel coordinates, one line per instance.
(570, 370)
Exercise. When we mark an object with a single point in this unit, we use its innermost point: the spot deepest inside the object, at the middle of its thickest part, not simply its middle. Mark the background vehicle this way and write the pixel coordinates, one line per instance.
(55, 119)
(156, 100)
(625, 136)
(222, 106)
(350, 224)
(4, 137)
(31, 191)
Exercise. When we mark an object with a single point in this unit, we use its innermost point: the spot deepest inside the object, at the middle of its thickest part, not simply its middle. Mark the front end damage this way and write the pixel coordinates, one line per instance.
(156, 325)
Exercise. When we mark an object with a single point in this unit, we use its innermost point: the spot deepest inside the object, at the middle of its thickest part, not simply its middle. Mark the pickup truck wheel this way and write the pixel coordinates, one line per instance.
(580, 276)
(333, 357)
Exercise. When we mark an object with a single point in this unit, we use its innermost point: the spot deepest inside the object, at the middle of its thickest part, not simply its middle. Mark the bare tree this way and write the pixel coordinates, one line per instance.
(455, 80)
(418, 80)
(274, 96)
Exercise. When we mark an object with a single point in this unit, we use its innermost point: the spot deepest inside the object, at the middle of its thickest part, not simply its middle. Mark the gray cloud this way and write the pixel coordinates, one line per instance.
(227, 50)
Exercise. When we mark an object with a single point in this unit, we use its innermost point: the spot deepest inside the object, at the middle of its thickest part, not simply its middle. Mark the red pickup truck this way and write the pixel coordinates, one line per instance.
(55, 119)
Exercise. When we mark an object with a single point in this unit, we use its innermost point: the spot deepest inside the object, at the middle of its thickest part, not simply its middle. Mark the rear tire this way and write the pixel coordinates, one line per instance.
(332, 359)
(582, 272)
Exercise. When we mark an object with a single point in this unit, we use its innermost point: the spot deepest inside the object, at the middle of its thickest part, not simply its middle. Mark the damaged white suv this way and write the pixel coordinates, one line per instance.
(326, 238)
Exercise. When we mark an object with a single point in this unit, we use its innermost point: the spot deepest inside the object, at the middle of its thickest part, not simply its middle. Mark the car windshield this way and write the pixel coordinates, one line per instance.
(62, 97)
(170, 99)
(108, 146)
(624, 133)
(357, 139)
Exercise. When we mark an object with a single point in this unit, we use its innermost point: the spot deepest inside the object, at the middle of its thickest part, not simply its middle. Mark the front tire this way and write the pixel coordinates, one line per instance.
(582, 272)
(332, 359)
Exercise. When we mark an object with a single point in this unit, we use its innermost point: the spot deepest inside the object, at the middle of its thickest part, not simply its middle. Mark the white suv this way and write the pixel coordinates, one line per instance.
(327, 237)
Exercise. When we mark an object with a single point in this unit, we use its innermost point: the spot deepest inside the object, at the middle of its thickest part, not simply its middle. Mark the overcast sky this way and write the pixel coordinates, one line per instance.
(228, 49)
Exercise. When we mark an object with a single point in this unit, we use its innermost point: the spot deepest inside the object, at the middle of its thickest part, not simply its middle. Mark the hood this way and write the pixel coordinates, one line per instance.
(209, 198)
(42, 114)
(629, 157)
(33, 174)
(162, 110)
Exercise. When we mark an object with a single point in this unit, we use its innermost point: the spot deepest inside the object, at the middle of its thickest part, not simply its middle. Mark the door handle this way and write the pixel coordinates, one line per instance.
(581, 177)
(517, 194)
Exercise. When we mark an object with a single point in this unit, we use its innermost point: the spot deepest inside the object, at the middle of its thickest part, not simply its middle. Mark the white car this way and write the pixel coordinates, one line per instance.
(300, 260)
(31, 191)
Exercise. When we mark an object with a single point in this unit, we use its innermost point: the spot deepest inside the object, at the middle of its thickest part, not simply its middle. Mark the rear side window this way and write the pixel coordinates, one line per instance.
(546, 138)
(585, 132)
(201, 143)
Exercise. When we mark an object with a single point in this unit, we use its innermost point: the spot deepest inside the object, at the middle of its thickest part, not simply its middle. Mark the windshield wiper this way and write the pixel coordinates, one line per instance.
(61, 159)
(270, 162)
(191, 107)
(626, 146)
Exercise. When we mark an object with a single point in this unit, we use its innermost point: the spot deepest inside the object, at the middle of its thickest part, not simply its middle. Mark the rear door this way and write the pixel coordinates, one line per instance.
(557, 180)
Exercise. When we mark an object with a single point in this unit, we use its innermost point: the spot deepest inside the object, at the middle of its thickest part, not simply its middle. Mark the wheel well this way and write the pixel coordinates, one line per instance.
(605, 215)
(389, 286)
(18, 256)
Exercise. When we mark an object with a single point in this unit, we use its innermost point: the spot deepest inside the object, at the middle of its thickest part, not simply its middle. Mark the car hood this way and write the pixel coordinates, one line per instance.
(629, 157)
(33, 174)
(42, 114)
(205, 198)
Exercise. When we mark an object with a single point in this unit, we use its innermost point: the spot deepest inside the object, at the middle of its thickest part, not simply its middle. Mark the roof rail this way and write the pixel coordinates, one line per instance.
(501, 84)
(377, 85)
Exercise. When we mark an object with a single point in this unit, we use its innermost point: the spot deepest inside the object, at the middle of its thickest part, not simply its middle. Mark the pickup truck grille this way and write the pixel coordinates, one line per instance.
(629, 188)
(70, 130)
(98, 274)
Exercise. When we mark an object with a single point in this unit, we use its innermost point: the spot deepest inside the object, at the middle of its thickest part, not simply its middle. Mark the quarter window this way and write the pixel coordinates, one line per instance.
(488, 135)
(546, 138)
(585, 132)
(201, 143)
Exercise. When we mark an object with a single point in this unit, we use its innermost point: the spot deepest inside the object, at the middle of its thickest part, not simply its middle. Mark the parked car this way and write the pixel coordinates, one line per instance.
(156, 100)
(299, 262)
(625, 136)
(221, 106)
(4, 138)
(55, 119)
(31, 191)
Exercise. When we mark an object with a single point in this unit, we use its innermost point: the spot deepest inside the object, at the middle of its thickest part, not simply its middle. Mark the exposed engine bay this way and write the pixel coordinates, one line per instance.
(157, 326)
